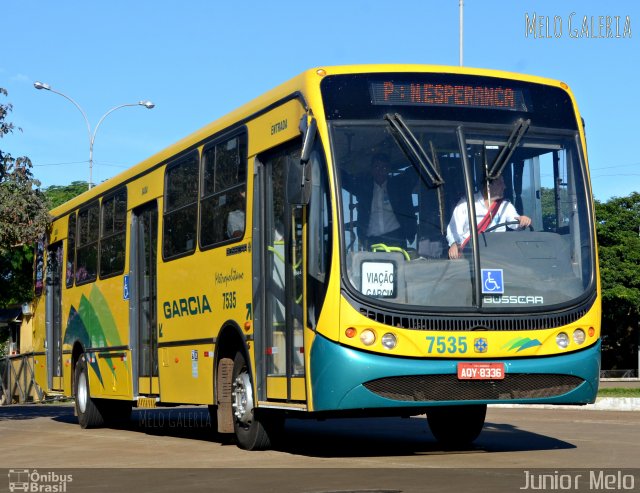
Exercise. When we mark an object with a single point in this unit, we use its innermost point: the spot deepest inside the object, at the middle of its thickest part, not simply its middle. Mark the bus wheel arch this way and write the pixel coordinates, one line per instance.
(77, 351)
(235, 394)
(230, 341)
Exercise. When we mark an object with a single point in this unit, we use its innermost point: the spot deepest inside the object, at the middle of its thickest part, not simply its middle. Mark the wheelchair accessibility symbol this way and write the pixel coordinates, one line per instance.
(492, 281)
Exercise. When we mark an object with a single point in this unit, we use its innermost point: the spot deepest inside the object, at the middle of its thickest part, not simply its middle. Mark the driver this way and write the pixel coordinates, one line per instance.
(491, 209)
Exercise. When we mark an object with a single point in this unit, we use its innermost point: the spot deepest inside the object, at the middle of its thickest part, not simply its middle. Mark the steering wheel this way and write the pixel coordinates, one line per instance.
(504, 224)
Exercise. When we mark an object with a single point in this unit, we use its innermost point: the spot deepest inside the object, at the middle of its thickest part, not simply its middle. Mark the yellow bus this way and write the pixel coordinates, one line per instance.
(361, 240)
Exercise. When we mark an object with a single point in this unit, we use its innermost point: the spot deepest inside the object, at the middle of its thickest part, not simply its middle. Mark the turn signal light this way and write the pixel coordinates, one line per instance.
(350, 332)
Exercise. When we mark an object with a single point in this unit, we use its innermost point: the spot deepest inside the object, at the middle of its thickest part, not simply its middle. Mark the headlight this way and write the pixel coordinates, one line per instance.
(579, 336)
(368, 337)
(562, 340)
(389, 340)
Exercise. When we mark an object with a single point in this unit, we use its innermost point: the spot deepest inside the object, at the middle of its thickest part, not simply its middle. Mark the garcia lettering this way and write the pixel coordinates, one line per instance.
(184, 307)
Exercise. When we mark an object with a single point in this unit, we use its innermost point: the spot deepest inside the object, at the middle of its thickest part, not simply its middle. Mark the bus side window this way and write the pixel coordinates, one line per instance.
(223, 199)
(113, 234)
(87, 246)
(71, 250)
(180, 207)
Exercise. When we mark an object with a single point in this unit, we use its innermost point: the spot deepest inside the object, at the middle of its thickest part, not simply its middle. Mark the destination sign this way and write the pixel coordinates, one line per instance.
(422, 93)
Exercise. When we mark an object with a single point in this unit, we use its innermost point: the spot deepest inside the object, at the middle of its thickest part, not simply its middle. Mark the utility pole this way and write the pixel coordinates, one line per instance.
(461, 4)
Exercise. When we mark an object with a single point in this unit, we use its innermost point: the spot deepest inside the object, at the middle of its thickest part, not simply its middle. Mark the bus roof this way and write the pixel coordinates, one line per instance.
(304, 84)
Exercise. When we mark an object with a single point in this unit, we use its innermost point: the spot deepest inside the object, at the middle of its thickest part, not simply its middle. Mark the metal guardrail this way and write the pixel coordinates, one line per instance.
(17, 380)
(619, 373)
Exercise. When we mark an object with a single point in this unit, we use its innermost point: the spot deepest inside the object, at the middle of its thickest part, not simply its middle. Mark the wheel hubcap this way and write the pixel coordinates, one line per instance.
(82, 392)
(242, 398)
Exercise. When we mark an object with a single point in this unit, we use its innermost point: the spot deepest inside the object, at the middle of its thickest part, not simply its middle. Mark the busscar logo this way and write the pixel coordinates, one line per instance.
(34, 481)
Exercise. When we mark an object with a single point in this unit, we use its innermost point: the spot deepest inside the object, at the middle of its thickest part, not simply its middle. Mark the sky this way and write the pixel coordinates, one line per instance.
(199, 59)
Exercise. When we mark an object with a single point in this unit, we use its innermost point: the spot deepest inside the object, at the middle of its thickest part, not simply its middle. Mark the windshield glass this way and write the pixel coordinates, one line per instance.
(417, 203)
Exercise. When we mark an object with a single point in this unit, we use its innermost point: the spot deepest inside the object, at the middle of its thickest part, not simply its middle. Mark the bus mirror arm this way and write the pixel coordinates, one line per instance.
(299, 176)
(309, 128)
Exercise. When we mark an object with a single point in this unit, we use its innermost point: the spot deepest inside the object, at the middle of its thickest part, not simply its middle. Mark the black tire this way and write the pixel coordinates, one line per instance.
(89, 415)
(254, 430)
(456, 426)
(114, 412)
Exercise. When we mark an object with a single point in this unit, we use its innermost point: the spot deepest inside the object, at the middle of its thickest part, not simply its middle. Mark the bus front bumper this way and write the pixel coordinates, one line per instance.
(343, 378)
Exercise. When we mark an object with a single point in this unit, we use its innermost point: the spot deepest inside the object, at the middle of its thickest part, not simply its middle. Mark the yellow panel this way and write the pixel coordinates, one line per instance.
(59, 230)
(57, 383)
(298, 392)
(275, 127)
(467, 344)
(67, 374)
(146, 188)
(148, 386)
(155, 386)
(188, 374)
(114, 378)
(40, 371)
(144, 386)
(277, 388)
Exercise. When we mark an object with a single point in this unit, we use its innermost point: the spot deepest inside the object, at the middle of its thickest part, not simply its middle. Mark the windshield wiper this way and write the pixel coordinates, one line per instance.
(519, 129)
(412, 148)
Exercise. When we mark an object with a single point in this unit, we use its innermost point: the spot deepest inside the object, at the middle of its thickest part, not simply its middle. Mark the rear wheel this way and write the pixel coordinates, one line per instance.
(254, 430)
(456, 426)
(89, 415)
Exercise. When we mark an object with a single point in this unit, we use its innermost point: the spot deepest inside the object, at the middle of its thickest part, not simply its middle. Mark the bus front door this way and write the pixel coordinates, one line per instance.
(278, 282)
(144, 330)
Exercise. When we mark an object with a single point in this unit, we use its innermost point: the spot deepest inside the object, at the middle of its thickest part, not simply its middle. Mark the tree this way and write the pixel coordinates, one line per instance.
(618, 229)
(24, 218)
(59, 194)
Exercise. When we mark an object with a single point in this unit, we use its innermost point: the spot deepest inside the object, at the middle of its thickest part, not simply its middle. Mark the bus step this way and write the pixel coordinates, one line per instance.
(147, 402)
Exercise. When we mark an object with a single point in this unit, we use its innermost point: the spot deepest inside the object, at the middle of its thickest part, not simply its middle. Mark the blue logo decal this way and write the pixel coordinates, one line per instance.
(480, 345)
(492, 281)
(125, 287)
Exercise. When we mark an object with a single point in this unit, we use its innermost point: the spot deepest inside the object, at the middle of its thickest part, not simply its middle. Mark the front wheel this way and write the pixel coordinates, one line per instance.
(456, 426)
(253, 430)
(89, 415)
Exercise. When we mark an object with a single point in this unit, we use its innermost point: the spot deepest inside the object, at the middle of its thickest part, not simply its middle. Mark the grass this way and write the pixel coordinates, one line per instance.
(619, 392)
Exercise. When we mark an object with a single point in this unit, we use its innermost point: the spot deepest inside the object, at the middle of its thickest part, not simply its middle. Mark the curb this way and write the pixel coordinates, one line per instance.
(601, 404)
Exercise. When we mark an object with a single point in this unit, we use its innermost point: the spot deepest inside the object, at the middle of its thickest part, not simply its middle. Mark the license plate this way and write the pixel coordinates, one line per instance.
(481, 371)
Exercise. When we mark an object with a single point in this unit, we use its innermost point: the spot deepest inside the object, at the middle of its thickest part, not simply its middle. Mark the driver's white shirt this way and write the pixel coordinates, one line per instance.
(458, 228)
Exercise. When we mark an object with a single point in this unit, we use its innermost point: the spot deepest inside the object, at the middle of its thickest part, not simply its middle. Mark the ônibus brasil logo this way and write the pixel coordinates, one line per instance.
(34, 481)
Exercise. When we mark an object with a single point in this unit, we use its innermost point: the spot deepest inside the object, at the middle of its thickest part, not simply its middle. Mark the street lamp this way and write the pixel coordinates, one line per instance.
(92, 135)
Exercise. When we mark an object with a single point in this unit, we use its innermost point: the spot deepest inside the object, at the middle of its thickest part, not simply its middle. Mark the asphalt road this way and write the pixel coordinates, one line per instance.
(163, 449)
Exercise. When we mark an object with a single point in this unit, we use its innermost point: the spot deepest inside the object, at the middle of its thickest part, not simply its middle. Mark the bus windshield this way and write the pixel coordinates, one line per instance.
(411, 190)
